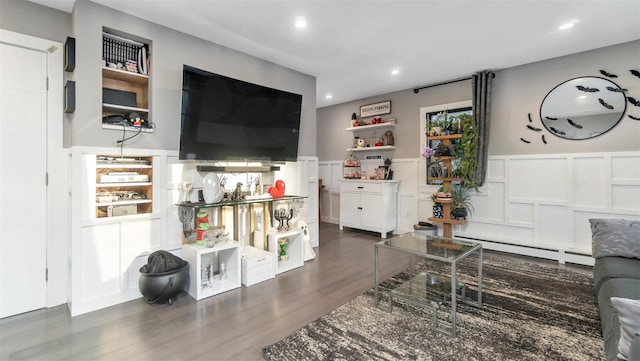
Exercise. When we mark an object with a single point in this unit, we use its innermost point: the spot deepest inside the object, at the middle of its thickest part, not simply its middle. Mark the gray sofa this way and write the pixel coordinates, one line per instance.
(616, 249)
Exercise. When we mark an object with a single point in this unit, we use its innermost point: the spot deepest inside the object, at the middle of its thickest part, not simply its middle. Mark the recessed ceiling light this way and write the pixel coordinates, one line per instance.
(566, 26)
(329, 96)
(300, 22)
(395, 71)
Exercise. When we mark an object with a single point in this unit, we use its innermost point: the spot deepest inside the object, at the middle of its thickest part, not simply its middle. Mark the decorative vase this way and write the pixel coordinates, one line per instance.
(212, 192)
(438, 211)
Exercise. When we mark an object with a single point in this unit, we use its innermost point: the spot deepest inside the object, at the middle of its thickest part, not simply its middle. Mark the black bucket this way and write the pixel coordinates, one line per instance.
(164, 286)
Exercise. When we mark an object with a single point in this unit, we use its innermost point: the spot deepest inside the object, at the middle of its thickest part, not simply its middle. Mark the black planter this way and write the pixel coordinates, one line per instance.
(164, 286)
(459, 213)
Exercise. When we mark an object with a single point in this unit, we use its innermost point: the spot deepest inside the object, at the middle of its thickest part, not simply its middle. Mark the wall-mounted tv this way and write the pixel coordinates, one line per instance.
(225, 119)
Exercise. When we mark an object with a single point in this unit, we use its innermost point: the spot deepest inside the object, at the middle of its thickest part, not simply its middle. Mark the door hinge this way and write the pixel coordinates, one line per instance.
(46, 274)
(46, 179)
(47, 83)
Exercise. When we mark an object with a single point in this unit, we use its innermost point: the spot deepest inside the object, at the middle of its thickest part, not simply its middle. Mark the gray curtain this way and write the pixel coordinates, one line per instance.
(481, 83)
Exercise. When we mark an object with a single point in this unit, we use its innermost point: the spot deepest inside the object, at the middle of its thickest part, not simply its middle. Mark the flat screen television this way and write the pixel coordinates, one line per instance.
(225, 119)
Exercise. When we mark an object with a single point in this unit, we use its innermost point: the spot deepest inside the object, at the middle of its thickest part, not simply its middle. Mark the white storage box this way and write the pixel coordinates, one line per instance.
(257, 265)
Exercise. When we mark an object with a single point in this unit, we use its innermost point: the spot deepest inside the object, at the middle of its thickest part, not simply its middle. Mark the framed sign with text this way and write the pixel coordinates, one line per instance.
(375, 109)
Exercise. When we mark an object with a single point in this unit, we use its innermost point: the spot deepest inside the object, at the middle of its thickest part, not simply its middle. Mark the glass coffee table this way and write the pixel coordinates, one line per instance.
(429, 289)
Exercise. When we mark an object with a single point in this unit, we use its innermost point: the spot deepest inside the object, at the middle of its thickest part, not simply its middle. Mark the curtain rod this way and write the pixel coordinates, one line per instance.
(417, 90)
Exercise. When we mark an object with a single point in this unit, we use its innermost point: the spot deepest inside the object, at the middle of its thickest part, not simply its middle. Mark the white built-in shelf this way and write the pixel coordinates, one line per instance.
(123, 184)
(124, 107)
(127, 128)
(122, 203)
(372, 126)
(124, 75)
(371, 149)
(122, 165)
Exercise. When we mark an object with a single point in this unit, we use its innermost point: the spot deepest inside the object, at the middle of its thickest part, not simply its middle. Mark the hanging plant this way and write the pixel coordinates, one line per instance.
(469, 150)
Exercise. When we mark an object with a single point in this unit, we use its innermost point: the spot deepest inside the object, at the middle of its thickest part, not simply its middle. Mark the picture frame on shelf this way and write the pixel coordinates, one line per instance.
(370, 110)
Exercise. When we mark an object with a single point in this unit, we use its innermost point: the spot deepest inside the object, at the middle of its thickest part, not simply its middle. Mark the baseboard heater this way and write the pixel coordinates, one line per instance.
(562, 256)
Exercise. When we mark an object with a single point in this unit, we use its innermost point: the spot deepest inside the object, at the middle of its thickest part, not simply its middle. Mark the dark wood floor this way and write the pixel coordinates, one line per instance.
(231, 326)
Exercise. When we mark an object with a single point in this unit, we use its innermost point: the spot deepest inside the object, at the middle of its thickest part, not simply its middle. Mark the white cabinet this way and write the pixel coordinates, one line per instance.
(370, 205)
(224, 259)
(108, 245)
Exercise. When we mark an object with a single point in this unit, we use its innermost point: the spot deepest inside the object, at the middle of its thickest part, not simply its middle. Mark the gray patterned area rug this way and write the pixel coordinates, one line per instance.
(530, 312)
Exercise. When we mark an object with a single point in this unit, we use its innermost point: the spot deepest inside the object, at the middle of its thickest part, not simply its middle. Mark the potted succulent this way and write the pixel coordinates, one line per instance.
(461, 201)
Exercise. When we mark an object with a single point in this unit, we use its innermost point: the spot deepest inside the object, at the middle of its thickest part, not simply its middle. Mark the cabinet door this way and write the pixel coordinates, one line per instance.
(350, 212)
(99, 271)
(372, 211)
(139, 238)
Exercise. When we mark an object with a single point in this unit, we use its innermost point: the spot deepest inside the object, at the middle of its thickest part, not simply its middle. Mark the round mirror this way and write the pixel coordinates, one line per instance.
(583, 108)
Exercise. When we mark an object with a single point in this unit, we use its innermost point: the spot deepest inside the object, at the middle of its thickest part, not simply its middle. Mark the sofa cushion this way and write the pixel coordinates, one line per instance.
(615, 287)
(615, 237)
(629, 319)
(606, 268)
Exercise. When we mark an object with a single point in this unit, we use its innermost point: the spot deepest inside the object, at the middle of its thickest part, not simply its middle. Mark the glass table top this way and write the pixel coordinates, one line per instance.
(435, 247)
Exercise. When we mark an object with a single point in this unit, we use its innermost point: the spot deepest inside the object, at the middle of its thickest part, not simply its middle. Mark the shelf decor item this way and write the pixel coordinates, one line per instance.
(212, 192)
(351, 167)
(283, 243)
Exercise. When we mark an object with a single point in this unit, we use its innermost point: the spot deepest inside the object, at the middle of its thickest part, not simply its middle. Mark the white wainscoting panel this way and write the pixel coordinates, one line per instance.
(521, 213)
(625, 197)
(551, 226)
(589, 176)
(331, 174)
(484, 202)
(537, 205)
(548, 200)
(625, 168)
(540, 179)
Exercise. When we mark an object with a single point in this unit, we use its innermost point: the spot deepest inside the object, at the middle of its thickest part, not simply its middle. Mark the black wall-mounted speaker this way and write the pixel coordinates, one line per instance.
(70, 97)
(70, 54)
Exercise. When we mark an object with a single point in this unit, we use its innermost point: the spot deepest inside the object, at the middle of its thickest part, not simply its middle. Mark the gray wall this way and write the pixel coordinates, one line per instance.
(169, 51)
(517, 91)
(29, 18)
(405, 107)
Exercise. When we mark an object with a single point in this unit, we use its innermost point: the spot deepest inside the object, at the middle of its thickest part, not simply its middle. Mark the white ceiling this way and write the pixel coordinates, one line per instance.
(352, 46)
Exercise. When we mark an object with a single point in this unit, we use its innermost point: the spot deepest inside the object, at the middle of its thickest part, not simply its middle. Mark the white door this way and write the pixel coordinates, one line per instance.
(23, 112)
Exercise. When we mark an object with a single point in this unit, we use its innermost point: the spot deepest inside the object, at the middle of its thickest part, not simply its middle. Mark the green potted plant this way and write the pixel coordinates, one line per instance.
(461, 201)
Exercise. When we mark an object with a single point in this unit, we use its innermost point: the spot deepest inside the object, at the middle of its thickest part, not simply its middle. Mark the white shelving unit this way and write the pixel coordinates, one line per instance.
(228, 253)
(295, 250)
(372, 149)
(367, 131)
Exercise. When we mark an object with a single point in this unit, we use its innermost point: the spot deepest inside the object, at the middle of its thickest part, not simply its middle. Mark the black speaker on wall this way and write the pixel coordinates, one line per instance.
(70, 97)
(70, 54)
